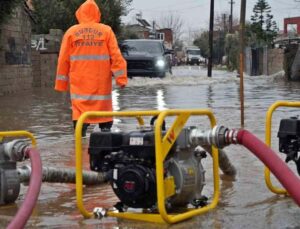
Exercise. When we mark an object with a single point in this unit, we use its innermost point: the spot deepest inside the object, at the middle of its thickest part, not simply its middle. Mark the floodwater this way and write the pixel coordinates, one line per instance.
(245, 201)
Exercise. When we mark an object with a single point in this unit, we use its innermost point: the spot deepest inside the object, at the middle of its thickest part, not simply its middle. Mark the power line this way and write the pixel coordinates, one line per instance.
(169, 6)
(174, 10)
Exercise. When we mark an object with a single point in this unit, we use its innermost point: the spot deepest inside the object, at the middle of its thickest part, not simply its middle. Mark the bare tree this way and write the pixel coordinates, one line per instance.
(222, 22)
(172, 21)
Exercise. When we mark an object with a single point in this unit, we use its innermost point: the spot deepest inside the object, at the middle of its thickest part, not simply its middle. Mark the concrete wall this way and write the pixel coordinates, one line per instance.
(45, 50)
(263, 61)
(15, 53)
(44, 69)
(48, 69)
(273, 61)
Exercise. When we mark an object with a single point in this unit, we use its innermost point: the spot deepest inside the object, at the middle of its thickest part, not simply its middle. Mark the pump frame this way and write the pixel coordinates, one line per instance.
(269, 114)
(165, 187)
(20, 133)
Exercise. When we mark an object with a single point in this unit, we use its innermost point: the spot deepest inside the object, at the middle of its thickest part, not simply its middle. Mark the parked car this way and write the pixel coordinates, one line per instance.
(146, 57)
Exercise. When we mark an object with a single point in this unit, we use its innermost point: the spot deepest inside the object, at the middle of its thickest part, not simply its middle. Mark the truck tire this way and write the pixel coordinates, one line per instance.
(161, 75)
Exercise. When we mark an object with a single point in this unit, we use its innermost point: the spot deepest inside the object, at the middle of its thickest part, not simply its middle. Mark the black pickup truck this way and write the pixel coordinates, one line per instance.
(146, 57)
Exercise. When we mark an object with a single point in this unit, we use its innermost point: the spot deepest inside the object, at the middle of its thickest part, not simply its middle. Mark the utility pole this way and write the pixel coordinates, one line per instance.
(242, 56)
(211, 37)
(225, 28)
(154, 29)
(231, 16)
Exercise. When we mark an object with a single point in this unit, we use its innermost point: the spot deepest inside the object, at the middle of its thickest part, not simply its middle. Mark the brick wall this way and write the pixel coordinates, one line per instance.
(15, 53)
(15, 79)
(36, 68)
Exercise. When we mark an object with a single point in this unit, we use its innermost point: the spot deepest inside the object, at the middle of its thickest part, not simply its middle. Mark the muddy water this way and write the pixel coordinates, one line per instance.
(245, 201)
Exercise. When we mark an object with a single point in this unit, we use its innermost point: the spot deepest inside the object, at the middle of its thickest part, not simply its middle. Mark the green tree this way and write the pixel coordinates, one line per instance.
(202, 43)
(232, 50)
(128, 33)
(218, 45)
(263, 25)
(60, 14)
(6, 9)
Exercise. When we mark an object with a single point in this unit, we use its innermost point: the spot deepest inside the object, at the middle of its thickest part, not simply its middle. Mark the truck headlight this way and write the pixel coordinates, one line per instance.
(160, 63)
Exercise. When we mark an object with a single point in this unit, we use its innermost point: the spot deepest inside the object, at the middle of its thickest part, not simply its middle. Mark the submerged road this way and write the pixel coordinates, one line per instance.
(245, 202)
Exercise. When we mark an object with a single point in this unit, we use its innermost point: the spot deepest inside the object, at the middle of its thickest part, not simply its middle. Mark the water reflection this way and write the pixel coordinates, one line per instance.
(244, 203)
(209, 96)
(161, 105)
(115, 100)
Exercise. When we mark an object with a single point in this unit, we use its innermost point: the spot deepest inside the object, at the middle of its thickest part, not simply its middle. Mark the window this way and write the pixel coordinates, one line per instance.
(160, 36)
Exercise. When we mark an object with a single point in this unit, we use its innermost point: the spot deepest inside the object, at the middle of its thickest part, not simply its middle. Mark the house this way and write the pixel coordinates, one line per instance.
(144, 30)
(166, 35)
(141, 31)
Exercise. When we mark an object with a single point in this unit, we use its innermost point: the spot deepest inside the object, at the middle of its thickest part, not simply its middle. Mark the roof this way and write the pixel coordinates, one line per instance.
(138, 26)
(143, 22)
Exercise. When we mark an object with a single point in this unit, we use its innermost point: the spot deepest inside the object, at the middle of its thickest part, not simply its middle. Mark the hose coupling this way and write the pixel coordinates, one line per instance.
(219, 136)
(16, 150)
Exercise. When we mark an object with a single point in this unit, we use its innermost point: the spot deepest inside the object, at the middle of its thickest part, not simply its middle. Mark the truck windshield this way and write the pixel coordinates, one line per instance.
(193, 52)
(142, 46)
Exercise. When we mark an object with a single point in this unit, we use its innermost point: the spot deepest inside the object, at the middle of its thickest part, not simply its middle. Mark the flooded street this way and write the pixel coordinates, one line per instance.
(245, 202)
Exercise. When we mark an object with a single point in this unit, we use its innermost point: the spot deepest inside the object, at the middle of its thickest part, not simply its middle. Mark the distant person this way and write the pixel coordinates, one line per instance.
(88, 58)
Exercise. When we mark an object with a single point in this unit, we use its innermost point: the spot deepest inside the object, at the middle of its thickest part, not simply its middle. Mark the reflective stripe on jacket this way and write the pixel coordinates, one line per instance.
(89, 57)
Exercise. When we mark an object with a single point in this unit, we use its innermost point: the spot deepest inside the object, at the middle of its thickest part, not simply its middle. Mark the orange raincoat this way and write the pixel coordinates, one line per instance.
(88, 58)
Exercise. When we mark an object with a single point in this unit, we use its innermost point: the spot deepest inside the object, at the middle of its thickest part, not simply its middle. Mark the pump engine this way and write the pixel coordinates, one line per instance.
(129, 161)
(289, 140)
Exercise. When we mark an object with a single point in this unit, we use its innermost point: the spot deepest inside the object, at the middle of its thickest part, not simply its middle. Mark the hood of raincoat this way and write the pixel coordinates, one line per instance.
(88, 12)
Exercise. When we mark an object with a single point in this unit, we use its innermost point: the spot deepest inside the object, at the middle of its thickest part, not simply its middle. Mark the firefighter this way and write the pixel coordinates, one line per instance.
(89, 57)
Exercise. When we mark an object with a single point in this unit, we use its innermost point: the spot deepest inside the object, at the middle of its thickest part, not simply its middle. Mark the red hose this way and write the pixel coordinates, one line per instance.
(33, 191)
(280, 170)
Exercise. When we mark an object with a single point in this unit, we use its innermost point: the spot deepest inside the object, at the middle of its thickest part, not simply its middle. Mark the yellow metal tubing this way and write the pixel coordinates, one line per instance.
(161, 149)
(147, 217)
(270, 112)
(172, 133)
(140, 121)
(169, 185)
(20, 133)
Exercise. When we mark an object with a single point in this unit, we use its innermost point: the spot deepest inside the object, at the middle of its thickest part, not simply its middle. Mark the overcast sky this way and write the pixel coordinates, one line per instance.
(195, 13)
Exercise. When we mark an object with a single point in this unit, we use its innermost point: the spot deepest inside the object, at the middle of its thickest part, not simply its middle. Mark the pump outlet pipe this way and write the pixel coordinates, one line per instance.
(33, 191)
(221, 136)
(62, 175)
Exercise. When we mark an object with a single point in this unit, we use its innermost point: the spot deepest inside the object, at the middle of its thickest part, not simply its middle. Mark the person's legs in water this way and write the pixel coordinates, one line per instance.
(105, 126)
(84, 127)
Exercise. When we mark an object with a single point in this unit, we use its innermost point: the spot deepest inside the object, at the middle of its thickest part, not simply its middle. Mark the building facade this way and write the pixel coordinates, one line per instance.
(15, 52)
(291, 21)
